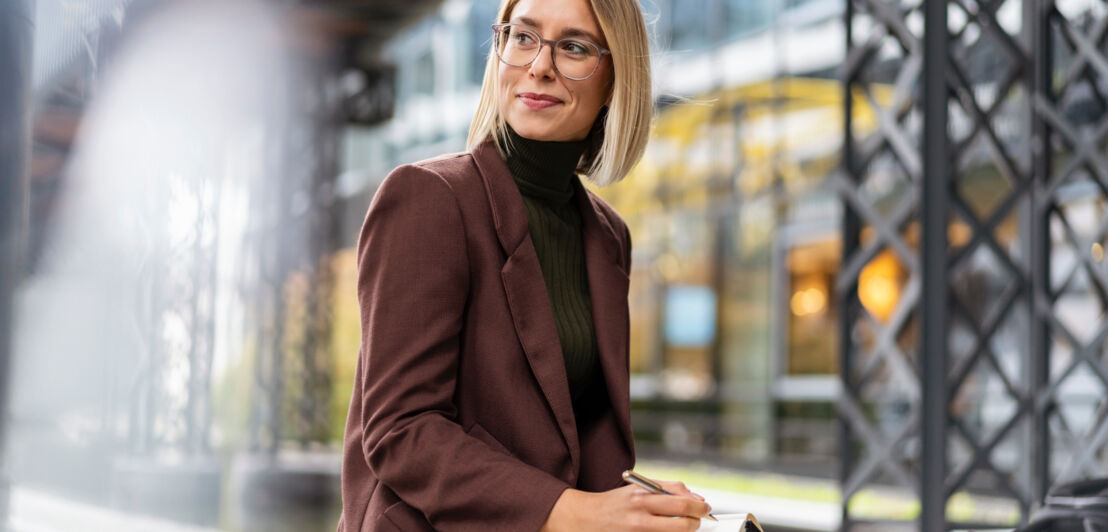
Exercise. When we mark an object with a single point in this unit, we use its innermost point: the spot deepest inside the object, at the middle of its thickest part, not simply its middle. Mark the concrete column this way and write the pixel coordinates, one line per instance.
(16, 39)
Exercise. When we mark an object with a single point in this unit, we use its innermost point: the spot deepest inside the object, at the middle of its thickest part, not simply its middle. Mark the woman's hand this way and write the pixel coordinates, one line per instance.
(628, 508)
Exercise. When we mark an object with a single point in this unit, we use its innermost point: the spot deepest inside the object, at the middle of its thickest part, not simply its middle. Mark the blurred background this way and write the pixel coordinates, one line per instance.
(182, 183)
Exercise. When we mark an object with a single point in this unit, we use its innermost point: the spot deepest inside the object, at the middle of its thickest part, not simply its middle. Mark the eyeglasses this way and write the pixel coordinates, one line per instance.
(574, 58)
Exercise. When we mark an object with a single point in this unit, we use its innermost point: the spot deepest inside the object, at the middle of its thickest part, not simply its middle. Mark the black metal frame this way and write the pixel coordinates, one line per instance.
(867, 454)
(1067, 128)
(942, 130)
(933, 299)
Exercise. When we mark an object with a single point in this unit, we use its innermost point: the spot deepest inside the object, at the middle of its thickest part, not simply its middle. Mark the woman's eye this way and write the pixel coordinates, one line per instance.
(575, 48)
(523, 39)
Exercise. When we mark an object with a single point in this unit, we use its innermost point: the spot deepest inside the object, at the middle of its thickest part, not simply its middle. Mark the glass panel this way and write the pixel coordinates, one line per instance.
(813, 308)
(689, 307)
(744, 16)
(690, 24)
(481, 16)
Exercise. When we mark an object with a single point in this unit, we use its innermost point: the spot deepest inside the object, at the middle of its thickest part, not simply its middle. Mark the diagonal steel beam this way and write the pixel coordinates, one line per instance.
(981, 121)
(982, 453)
(1086, 49)
(1084, 149)
(893, 18)
(880, 449)
(981, 232)
(905, 152)
(1085, 458)
(885, 347)
(886, 229)
(1077, 68)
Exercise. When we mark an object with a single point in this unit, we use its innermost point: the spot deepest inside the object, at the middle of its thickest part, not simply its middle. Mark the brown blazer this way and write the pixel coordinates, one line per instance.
(461, 416)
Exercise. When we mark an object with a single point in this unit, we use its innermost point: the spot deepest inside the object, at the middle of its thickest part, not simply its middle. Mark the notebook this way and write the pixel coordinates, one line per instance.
(741, 522)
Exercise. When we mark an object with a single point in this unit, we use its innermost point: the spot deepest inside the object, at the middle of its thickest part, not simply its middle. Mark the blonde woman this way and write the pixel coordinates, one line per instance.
(492, 385)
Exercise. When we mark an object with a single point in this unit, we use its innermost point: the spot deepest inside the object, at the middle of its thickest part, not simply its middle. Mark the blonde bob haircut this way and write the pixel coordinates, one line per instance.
(619, 136)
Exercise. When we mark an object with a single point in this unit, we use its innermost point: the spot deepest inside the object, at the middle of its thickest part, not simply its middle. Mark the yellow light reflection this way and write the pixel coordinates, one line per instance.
(810, 297)
(958, 234)
(808, 302)
(879, 285)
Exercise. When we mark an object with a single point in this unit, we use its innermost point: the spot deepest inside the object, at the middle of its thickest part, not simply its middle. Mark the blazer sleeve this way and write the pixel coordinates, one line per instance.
(626, 249)
(413, 278)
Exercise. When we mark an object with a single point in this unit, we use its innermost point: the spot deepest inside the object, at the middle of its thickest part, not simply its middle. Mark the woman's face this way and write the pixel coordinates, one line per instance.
(537, 101)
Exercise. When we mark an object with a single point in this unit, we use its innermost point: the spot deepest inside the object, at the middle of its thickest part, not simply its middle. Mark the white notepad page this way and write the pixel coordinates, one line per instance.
(726, 523)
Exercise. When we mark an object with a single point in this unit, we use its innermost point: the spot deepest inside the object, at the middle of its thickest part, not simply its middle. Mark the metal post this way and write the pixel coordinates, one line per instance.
(16, 41)
(933, 251)
(847, 297)
(1037, 17)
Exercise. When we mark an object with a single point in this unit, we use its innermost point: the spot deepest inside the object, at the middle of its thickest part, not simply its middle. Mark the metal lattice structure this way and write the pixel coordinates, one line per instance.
(309, 370)
(881, 375)
(269, 205)
(1070, 121)
(171, 405)
(981, 176)
(292, 243)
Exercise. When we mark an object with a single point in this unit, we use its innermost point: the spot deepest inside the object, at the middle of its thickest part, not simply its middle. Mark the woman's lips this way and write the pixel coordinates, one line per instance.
(538, 101)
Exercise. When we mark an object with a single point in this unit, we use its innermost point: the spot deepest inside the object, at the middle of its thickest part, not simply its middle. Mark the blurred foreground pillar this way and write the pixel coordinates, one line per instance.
(16, 38)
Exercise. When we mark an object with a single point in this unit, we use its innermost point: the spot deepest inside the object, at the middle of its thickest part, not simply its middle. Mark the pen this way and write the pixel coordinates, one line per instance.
(650, 485)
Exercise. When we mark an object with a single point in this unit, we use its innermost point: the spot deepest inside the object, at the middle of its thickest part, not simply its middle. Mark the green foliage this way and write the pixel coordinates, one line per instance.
(319, 351)
(231, 397)
(345, 339)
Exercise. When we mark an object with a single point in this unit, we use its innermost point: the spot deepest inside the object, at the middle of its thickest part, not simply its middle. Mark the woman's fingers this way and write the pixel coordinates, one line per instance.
(679, 488)
(636, 509)
(674, 524)
(658, 504)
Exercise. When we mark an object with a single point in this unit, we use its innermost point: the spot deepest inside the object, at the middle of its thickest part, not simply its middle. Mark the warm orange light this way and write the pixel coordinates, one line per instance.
(809, 298)
(958, 234)
(808, 302)
(879, 285)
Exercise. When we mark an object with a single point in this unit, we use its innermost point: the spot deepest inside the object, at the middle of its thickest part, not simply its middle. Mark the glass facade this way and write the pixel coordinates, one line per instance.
(781, 242)
(735, 227)
(736, 219)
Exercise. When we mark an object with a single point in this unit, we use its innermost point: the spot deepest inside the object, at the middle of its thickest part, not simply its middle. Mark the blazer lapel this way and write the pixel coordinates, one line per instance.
(608, 284)
(528, 301)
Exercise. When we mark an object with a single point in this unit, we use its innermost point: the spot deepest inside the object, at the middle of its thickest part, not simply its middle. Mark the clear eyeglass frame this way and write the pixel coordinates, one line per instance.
(499, 29)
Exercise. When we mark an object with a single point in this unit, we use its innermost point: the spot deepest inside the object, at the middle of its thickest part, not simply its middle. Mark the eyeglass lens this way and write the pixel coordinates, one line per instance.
(573, 58)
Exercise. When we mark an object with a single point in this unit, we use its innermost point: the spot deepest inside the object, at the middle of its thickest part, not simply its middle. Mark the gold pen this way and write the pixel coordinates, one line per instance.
(650, 485)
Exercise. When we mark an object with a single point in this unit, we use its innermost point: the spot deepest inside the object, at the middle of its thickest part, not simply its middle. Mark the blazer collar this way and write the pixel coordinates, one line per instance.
(524, 285)
(510, 216)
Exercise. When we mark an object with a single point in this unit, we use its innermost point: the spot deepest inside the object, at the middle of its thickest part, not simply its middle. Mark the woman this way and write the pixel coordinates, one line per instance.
(492, 384)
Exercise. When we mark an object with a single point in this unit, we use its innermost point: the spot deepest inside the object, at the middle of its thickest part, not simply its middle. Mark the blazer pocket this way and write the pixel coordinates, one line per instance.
(404, 518)
(479, 432)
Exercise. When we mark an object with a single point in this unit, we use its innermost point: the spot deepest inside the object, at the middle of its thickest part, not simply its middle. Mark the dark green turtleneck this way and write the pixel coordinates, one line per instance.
(544, 172)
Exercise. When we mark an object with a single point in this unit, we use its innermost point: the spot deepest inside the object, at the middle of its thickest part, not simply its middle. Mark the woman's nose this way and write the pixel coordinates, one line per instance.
(543, 65)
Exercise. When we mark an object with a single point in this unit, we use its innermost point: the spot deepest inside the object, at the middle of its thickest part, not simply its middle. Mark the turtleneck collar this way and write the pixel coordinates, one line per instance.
(543, 169)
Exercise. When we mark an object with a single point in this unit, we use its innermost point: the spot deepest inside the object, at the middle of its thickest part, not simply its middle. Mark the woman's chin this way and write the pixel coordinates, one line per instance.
(535, 132)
